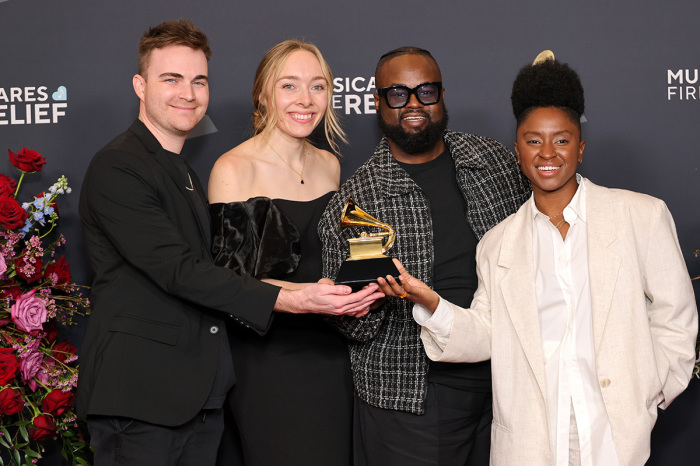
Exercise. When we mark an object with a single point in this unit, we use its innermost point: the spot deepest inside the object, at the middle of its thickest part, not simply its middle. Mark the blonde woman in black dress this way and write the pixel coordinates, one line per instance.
(292, 401)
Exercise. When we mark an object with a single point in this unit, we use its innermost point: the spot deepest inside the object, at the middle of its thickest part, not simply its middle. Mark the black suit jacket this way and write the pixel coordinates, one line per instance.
(153, 340)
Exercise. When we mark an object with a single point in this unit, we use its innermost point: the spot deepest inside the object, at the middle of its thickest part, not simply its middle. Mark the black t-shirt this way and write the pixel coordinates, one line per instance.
(454, 269)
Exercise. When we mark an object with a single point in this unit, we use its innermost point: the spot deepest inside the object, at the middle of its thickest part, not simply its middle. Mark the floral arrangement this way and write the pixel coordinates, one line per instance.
(696, 370)
(38, 374)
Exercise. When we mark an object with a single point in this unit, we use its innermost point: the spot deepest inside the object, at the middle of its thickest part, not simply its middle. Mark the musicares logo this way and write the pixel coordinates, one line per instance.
(683, 84)
(32, 105)
(354, 95)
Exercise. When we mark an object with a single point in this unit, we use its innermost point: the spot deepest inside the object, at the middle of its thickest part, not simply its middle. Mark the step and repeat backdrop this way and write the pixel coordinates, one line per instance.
(66, 69)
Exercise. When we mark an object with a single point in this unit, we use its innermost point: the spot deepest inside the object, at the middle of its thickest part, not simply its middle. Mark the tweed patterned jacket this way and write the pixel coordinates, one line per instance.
(388, 360)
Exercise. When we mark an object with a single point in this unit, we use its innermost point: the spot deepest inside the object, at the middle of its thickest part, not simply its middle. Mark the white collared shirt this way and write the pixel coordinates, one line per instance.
(566, 325)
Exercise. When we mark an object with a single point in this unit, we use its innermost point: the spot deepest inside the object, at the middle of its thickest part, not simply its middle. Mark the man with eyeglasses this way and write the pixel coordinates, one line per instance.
(441, 191)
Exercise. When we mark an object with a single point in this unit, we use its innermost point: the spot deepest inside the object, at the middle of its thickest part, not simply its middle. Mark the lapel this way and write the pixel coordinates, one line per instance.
(603, 257)
(165, 160)
(518, 291)
(395, 180)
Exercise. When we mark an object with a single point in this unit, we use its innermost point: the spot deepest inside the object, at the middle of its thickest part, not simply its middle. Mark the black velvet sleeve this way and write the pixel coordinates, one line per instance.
(254, 238)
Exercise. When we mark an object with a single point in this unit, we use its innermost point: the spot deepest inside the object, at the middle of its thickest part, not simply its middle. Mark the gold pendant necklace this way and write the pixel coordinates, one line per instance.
(303, 162)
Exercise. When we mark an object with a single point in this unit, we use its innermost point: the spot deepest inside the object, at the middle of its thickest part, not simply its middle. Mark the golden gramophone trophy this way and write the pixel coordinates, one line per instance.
(367, 260)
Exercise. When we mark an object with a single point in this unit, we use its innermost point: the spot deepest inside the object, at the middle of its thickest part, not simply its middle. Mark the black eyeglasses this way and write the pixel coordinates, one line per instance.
(398, 96)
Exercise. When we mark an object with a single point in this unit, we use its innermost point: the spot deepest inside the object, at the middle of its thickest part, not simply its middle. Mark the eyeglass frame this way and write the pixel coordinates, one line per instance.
(384, 90)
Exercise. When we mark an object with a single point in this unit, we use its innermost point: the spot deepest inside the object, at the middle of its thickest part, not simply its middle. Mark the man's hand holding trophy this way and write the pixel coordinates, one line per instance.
(367, 260)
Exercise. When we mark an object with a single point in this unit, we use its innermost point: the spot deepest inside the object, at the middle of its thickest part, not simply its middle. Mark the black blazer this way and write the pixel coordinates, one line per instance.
(153, 339)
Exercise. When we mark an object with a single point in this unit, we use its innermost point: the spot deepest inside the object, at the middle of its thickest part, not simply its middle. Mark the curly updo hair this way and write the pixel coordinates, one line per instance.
(547, 84)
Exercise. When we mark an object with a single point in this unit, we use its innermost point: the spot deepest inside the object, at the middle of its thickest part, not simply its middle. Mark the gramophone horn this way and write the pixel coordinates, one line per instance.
(354, 216)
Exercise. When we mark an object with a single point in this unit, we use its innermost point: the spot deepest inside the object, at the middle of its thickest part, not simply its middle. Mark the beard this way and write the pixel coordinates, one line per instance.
(414, 142)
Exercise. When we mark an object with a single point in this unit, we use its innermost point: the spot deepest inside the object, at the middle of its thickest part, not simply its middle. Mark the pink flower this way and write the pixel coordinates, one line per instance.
(40, 377)
(29, 267)
(3, 265)
(30, 365)
(29, 312)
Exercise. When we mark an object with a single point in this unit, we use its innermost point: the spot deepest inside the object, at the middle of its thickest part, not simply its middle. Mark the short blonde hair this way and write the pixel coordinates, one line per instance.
(264, 119)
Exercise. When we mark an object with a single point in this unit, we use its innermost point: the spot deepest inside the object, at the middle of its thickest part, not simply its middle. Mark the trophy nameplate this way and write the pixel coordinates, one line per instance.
(367, 260)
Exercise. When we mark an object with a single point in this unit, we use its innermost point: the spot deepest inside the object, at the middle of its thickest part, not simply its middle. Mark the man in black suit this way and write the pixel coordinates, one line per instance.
(155, 361)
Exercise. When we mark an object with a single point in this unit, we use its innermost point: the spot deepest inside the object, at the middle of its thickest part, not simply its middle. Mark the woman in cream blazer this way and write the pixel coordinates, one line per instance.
(640, 308)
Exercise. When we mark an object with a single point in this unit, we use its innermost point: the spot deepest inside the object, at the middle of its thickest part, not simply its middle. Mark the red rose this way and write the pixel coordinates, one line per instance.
(12, 215)
(57, 402)
(51, 331)
(7, 185)
(13, 292)
(62, 351)
(32, 272)
(8, 365)
(27, 160)
(42, 427)
(11, 402)
(61, 268)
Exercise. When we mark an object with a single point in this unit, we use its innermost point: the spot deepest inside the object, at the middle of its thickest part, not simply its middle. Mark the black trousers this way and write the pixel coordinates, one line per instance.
(129, 442)
(454, 431)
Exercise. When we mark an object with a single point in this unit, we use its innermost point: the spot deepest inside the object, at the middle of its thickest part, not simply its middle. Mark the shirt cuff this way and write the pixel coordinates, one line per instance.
(438, 324)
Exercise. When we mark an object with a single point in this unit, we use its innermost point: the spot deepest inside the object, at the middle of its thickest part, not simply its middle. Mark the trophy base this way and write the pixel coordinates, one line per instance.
(358, 273)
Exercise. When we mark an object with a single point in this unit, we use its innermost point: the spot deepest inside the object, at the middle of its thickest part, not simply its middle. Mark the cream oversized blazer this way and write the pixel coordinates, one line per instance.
(644, 324)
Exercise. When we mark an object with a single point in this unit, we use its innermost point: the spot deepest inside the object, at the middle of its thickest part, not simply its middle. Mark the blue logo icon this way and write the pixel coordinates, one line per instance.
(60, 94)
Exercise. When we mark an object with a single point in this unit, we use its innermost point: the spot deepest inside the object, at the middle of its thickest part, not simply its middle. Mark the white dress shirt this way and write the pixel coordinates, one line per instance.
(566, 325)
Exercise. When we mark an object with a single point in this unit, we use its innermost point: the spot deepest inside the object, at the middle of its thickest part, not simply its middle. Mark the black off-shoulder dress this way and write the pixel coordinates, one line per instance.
(292, 401)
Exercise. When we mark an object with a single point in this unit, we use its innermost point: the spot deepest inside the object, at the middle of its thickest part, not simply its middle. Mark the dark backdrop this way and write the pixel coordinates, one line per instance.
(638, 61)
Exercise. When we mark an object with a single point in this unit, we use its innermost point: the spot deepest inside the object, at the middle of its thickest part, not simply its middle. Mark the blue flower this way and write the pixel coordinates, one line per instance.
(25, 229)
(39, 217)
